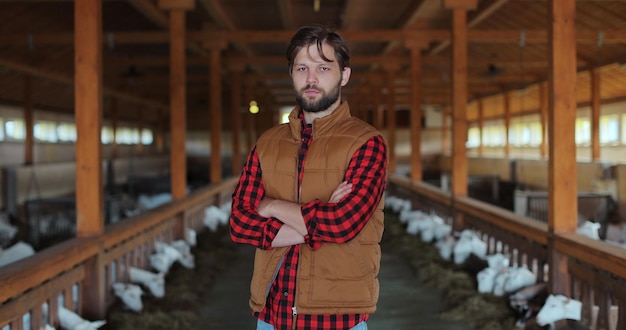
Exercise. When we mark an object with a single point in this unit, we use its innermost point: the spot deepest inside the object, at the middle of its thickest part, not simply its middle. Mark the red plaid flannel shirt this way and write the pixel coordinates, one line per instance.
(326, 222)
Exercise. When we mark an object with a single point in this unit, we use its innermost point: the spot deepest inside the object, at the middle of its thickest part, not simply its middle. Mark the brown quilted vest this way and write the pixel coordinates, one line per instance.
(337, 278)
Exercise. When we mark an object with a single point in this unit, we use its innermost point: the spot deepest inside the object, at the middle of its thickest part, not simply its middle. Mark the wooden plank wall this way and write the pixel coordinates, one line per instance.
(58, 179)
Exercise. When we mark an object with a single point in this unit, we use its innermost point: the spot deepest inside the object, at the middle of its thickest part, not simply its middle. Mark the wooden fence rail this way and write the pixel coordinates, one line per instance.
(70, 272)
(597, 269)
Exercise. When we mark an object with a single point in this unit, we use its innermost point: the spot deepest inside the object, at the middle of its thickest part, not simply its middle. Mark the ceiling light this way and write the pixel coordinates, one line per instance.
(316, 5)
(254, 108)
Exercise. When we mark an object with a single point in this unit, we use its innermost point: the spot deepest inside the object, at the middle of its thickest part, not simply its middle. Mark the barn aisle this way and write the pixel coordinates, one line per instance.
(404, 302)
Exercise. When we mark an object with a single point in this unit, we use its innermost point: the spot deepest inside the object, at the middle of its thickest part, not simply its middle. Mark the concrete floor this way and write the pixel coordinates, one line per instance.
(404, 302)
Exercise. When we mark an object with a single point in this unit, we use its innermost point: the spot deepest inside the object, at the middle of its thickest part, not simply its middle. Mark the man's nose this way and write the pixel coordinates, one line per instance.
(311, 78)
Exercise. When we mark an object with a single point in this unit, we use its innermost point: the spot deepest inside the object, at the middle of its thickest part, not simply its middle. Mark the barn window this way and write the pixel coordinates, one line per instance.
(623, 128)
(146, 136)
(583, 131)
(66, 132)
(494, 135)
(106, 135)
(14, 129)
(473, 137)
(609, 129)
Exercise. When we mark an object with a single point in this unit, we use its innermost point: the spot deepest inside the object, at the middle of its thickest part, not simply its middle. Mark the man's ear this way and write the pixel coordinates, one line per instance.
(345, 75)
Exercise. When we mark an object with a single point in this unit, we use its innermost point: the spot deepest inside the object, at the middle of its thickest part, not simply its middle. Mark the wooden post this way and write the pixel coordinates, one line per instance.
(88, 117)
(481, 124)
(391, 117)
(249, 116)
(215, 111)
(543, 99)
(595, 114)
(178, 95)
(114, 124)
(416, 47)
(140, 130)
(29, 123)
(445, 138)
(459, 93)
(235, 104)
(160, 132)
(459, 100)
(379, 114)
(178, 104)
(507, 124)
(562, 189)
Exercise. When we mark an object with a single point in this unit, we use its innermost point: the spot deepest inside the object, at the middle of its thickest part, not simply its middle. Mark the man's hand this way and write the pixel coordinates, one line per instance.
(340, 192)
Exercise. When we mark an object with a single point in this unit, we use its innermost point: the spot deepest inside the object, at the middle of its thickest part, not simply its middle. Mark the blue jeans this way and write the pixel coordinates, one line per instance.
(260, 325)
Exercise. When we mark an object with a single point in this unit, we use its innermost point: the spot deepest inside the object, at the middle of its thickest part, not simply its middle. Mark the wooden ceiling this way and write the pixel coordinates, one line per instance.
(507, 50)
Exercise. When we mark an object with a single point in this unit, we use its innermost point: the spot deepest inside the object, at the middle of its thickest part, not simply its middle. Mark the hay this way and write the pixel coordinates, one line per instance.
(461, 301)
(477, 311)
(184, 289)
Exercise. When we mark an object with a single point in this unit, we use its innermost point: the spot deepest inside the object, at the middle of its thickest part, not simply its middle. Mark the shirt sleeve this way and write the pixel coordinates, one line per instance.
(246, 225)
(341, 222)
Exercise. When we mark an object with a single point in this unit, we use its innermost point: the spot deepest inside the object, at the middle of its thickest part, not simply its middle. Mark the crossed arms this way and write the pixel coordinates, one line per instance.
(264, 222)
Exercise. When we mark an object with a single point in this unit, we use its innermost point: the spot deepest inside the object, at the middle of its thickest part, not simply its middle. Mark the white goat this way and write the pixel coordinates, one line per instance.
(186, 259)
(161, 262)
(72, 321)
(559, 307)
(6, 228)
(191, 237)
(213, 217)
(130, 294)
(467, 243)
(589, 229)
(146, 202)
(445, 246)
(406, 215)
(519, 277)
(155, 282)
(397, 204)
(17, 251)
(486, 279)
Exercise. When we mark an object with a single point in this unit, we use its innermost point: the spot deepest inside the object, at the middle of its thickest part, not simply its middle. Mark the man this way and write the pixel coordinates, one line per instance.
(310, 199)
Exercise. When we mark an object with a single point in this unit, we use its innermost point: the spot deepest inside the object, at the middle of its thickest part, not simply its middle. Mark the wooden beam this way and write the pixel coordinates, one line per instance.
(29, 123)
(88, 91)
(49, 75)
(481, 124)
(236, 127)
(285, 8)
(177, 4)
(219, 15)
(391, 119)
(150, 11)
(562, 182)
(282, 36)
(543, 110)
(484, 14)
(507, 124)
(459, 104)
(416, 114)
(178, 106)
(595, 114)
(460, 4)
(215, 93)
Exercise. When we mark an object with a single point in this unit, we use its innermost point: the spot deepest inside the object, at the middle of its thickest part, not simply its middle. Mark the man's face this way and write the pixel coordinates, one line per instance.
(317, 82)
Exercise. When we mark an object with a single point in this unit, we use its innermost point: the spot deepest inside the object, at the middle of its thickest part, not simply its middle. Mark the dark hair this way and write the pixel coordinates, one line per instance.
(308, 35)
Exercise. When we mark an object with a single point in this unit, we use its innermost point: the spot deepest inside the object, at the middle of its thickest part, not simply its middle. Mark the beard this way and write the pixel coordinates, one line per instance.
(323, 103)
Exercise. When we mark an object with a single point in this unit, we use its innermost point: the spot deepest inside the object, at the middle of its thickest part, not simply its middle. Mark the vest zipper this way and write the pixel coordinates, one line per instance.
(294, 309)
